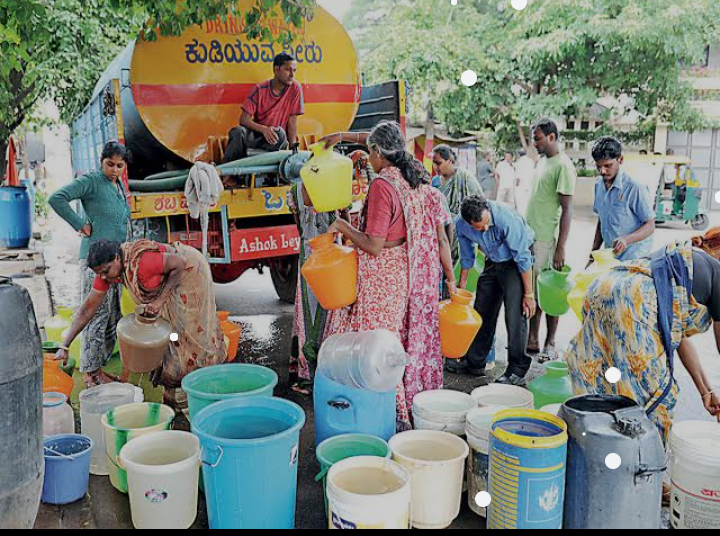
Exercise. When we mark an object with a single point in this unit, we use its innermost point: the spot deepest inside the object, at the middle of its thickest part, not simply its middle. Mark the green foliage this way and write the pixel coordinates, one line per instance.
(557, 57)
(59, 48)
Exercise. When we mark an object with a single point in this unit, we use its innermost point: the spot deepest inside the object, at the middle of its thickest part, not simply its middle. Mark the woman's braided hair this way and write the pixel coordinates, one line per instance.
(387, 138)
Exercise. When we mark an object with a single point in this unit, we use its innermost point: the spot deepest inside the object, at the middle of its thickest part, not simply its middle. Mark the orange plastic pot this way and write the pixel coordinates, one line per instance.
(331, 273)
(54, 379)
(459, 325)
(223, 316)
(233, 332)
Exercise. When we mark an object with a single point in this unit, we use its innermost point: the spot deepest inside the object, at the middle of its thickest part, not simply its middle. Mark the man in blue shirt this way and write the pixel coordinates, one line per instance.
(627, 219)
(506, 240)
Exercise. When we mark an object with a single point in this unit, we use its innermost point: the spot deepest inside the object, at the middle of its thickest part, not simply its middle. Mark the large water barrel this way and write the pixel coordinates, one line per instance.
(180, 91)
(21, 435)
(15, 217)
(629, 497)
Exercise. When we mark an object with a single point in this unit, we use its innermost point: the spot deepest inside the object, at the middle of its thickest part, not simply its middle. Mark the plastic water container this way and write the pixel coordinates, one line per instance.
(508, 396)
(528, 465)
(372, 360)
(250, 456)
(442, 411)
(341, 410)
(94, 403)
(67, 469)
(15, 217)
(58, 416)
(207, 386)
(695, 475)
(436, 462)
(369, 493)
(163, 474)
(340, 448)
(123, 424)
(479, 422)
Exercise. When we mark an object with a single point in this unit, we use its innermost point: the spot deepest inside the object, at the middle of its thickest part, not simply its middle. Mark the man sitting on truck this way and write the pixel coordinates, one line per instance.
(270, 113)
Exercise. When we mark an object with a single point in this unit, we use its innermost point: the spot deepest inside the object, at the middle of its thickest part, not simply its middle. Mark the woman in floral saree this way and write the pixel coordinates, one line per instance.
(636, 318)
(401, 244)
(174, 282)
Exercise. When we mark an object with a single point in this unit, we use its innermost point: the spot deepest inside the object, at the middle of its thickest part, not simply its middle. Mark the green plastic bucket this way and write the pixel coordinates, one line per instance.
(475, 273)
(337, 449)
(209, 385)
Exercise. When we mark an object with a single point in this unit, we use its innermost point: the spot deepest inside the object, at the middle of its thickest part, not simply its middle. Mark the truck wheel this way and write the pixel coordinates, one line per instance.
(284, 273)
(701, 222)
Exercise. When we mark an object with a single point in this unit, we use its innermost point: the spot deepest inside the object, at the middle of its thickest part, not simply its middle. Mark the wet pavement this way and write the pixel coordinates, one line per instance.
(267, 329)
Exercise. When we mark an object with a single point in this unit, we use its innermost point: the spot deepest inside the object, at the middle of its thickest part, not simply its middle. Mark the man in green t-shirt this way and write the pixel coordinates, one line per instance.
(550, 216)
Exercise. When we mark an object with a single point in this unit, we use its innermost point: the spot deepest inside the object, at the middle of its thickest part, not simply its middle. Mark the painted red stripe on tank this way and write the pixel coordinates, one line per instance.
(226, 94)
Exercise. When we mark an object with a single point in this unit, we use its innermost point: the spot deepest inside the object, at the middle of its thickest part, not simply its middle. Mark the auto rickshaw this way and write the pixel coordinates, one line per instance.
(678, 194)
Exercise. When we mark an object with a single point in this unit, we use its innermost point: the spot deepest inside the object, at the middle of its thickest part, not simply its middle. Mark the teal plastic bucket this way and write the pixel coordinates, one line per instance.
(337, 449)
(250, 455)
(209, 385)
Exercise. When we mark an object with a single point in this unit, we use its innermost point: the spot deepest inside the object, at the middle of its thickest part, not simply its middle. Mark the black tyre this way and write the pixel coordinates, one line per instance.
(284, 273)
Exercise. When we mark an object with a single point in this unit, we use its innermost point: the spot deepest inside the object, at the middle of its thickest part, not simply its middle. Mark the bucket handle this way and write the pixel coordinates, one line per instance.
(322, 475)
(340, 405)
(59, 455)
(644, 473)
(217, 462)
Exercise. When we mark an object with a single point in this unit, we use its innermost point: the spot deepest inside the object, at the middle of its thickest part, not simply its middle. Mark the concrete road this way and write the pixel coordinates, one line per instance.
(267, 329)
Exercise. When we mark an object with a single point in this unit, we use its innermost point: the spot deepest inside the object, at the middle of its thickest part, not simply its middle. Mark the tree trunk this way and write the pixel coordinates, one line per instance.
(3, 158)
(527, 146)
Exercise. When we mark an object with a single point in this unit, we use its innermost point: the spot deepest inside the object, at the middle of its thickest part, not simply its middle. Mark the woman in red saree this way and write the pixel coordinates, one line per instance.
(174, 282)
(401, 244)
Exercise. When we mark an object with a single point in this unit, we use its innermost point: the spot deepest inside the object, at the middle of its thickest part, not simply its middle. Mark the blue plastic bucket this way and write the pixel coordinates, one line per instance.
(342, 410)
(250, 455)
(207, 386)
(67, 469)
(528, 463)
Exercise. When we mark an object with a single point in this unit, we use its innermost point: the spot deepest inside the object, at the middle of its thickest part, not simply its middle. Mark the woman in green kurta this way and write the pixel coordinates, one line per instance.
(457, 185)
(107, 217)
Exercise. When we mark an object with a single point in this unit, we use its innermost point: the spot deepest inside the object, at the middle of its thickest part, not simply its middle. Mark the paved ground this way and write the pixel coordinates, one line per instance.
(267, 327)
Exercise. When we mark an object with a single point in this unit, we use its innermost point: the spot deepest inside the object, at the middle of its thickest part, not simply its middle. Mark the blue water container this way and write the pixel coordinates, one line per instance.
(15, 218)
(32, 192)
(341, 410)
(250, 455)
(528, 464)
(67, 469)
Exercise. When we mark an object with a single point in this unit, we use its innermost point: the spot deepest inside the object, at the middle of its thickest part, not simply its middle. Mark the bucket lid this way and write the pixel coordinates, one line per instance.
(53, 400)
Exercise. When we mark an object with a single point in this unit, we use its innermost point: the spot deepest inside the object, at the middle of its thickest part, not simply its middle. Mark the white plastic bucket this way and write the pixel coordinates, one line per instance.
(695, 500)
(508, 396)
(94, 403)
(368, 493)
(479, 424)
(442, 411)
(436, 462)
(163, 471)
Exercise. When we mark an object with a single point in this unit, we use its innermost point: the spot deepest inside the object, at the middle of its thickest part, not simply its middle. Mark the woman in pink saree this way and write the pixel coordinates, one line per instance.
(402, 245)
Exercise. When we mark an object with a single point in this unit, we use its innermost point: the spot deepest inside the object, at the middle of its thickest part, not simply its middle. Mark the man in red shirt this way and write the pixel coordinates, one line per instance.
(270, 113)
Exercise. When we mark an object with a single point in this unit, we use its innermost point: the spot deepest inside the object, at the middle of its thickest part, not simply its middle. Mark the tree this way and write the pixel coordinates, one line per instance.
(59, 48)
(557, 57)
